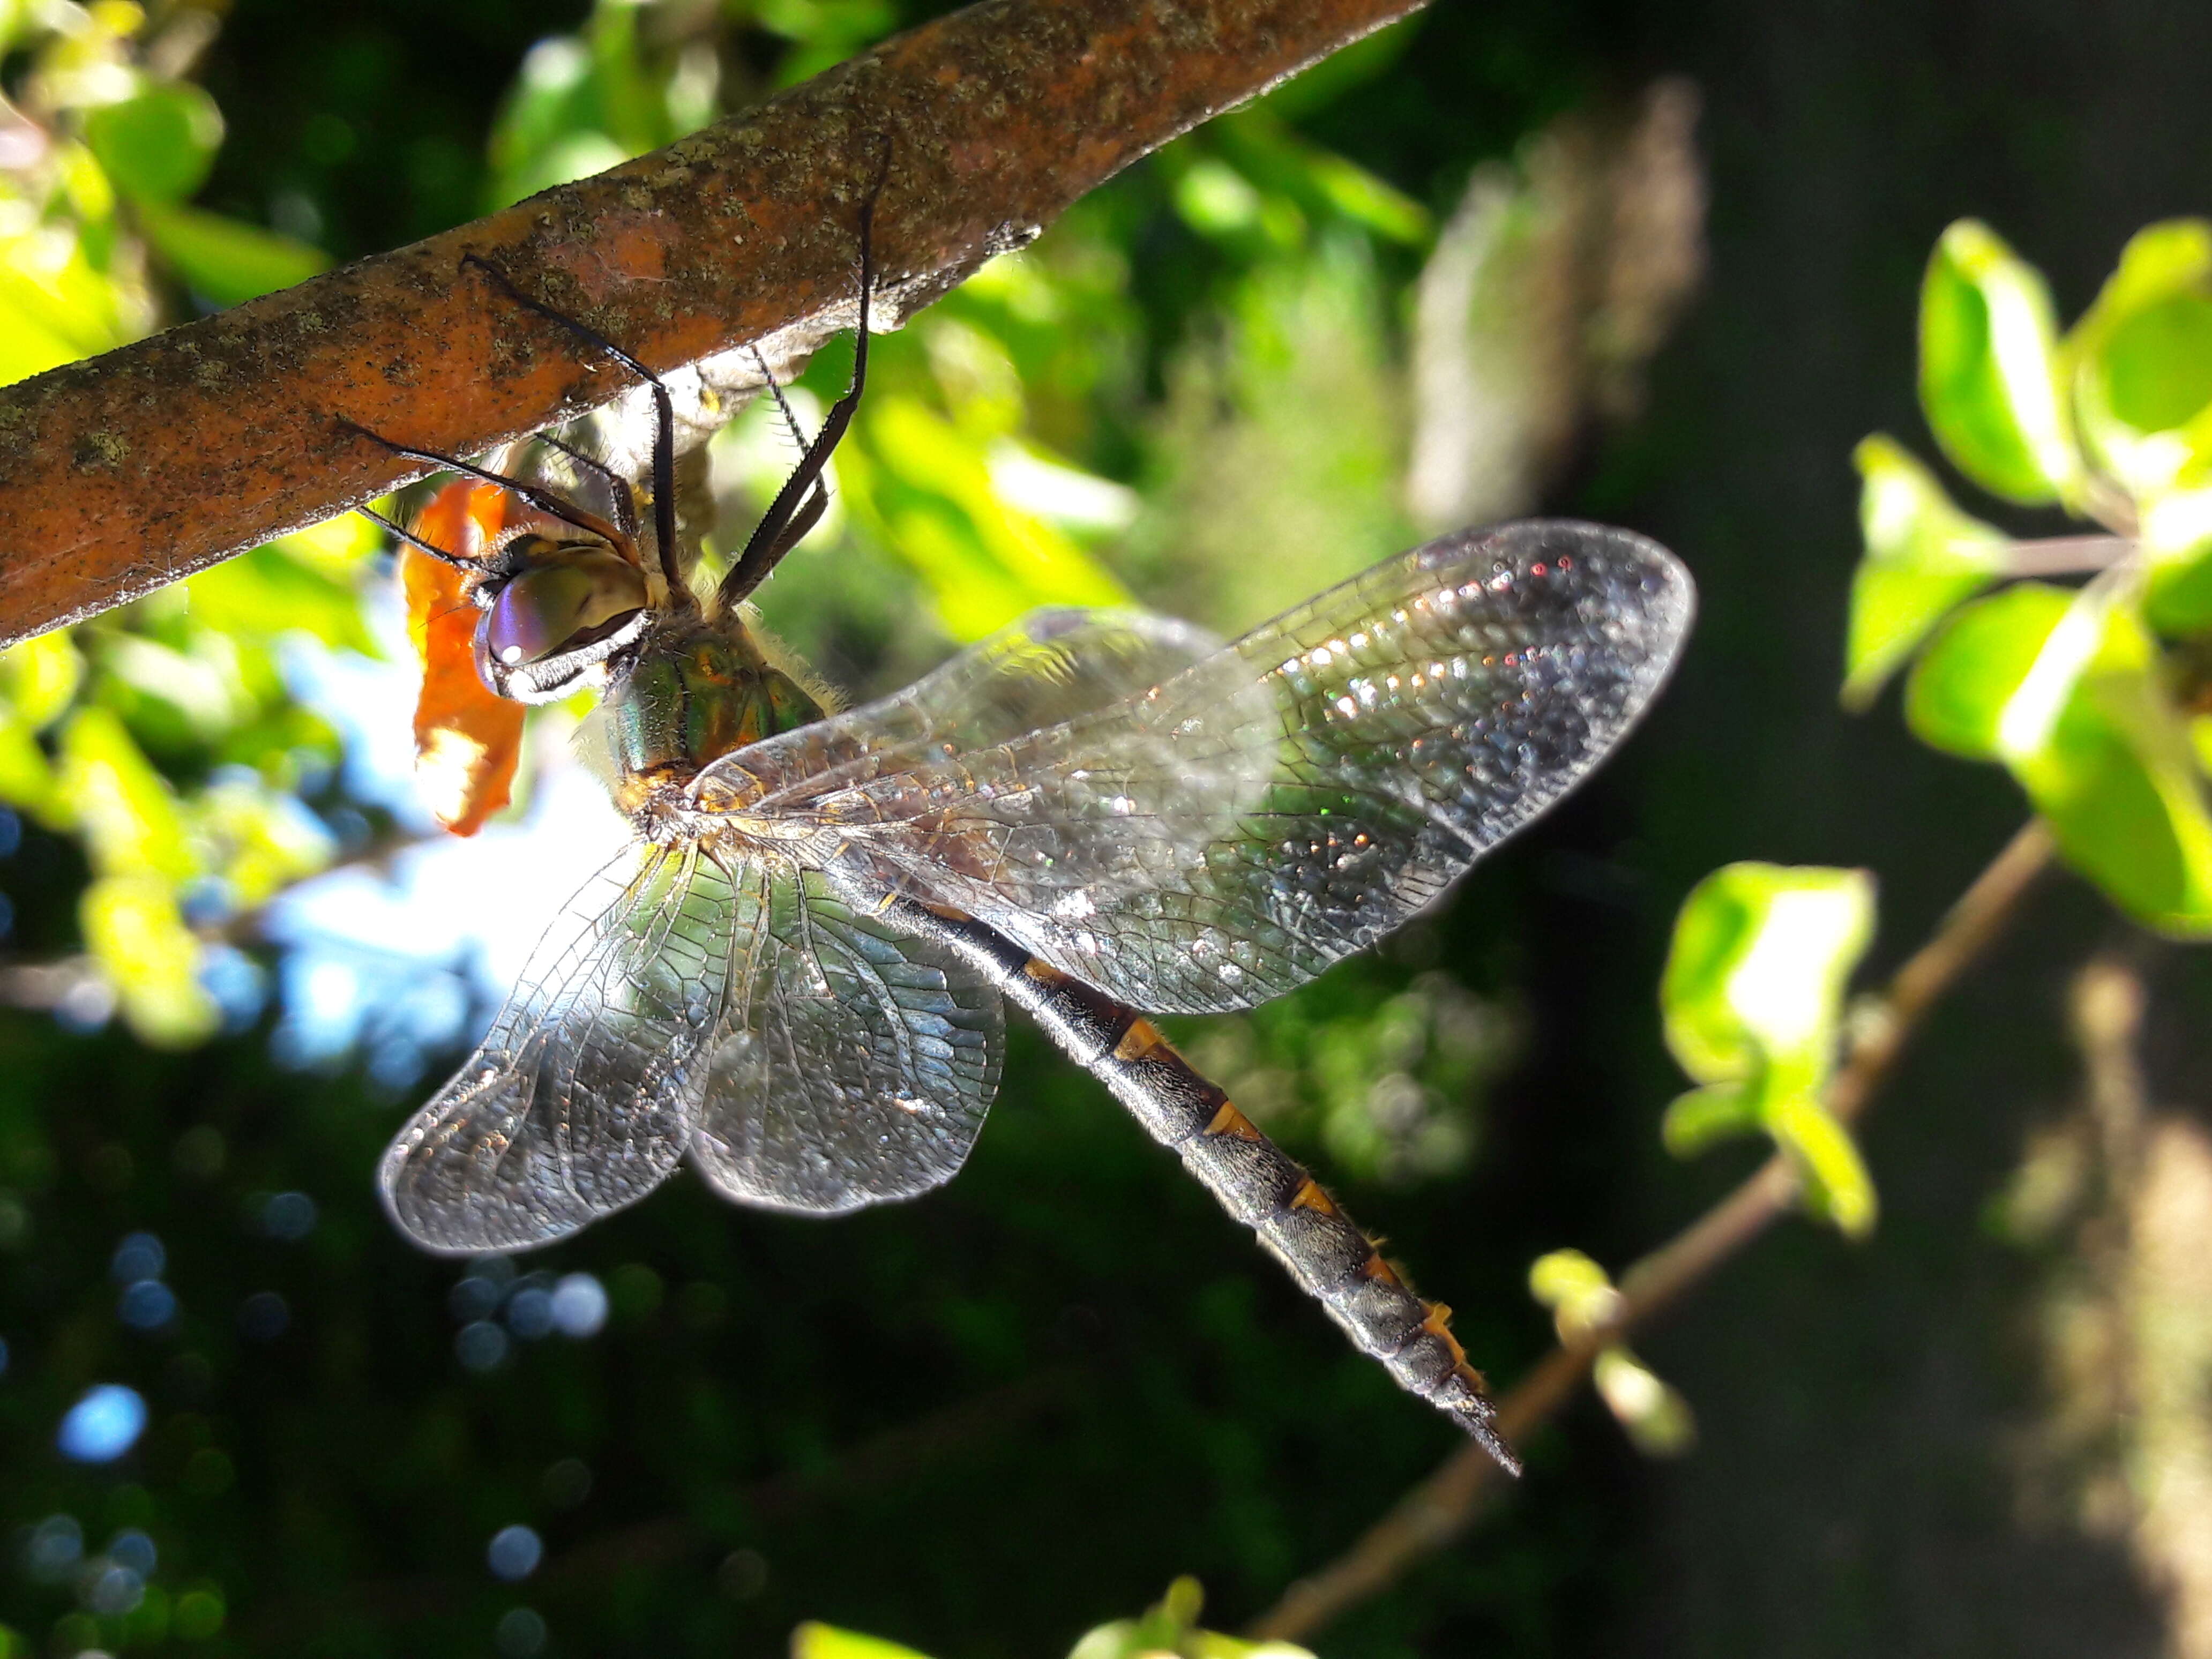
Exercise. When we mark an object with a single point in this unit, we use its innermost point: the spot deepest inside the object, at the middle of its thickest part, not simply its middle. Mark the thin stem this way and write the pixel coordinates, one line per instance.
(1440, 1507)
(2066, 556)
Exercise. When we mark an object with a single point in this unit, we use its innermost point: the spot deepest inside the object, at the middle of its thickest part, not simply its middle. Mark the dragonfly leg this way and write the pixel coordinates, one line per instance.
(774, 535)
(545, 501)
(1253, 1179)
(618, 491)
(664, 418)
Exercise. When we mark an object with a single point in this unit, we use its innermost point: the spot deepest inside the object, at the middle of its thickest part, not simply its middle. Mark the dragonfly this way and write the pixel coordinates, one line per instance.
(795, 976)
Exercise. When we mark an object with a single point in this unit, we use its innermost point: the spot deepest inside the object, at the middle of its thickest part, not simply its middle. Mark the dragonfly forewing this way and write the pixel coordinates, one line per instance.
(1049, 667)
(1224, 837)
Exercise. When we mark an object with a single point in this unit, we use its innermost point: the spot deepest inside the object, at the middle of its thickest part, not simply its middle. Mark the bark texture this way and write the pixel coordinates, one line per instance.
(133, 469)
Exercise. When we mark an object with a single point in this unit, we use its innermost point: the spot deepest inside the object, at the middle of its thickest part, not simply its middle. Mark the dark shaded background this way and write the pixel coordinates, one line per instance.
(982, 1423)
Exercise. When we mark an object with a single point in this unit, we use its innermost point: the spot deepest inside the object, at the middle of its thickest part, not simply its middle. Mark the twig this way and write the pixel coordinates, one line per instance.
(155, 460)
(2066, 556)
(1438, 1509)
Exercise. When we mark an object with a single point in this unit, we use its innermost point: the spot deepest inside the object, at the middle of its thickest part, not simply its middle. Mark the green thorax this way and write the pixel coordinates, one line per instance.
(697, 690)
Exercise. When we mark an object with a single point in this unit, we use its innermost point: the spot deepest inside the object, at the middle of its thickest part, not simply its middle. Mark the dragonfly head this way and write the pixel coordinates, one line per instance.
(554, 613)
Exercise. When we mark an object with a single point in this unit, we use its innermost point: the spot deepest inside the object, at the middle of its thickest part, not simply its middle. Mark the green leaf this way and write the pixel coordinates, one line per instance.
(55, 305)
(1171, 1629)
(1704, 1117)
(1956, 699)
(227, 261)
(2143, 359)
(1923, 558)
(158, 146)
(263, 593)
(1752, 1001)
(132, 822)
(814, 1641)
(2176, 537)
(1989, 369)
(259, 841)
(26, 777)
(1757, 969)
(138, 935)
(1837, 1184)
(2070, 692)
(40, 677)
(986, 563)
(336, 547)
(1656, 1418)
(1569, 1283)
(2093, 738)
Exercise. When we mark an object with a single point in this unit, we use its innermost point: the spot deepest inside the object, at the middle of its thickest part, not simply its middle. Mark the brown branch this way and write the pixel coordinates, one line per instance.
(134, 469)
(1437, 1509)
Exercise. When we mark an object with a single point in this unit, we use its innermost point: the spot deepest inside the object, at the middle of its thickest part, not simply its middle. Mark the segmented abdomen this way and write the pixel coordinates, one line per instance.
(1256, 1181)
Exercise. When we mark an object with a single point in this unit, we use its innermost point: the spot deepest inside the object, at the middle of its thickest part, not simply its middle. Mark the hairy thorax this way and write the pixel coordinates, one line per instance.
(700, 689)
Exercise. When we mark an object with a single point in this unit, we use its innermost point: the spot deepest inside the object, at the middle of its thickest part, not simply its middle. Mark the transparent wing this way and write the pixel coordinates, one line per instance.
(579, 1099)
(1049, 667)
(856, 1066)
(1217, 839)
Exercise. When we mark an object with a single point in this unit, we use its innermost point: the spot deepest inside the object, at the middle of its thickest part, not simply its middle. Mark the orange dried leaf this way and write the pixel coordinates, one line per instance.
(467, 739)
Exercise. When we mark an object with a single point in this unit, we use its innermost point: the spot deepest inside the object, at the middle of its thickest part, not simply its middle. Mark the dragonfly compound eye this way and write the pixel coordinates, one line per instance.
(567, 611)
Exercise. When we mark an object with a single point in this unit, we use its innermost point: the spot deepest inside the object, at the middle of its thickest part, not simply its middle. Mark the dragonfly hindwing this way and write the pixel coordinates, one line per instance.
(856, 1064)
(582, 1096)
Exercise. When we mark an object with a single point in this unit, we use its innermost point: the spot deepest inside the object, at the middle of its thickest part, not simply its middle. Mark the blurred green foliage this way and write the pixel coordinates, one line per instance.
(2094, 698)
(1583, 1299)
(1752, 1002)
(1168, 1631)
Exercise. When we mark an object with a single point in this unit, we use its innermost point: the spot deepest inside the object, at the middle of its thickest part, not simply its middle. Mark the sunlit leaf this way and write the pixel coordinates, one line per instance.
(1753, 1000)
(55, 306)
(1759, 957)
(132, 822)
(259, 841)
(1923, 557)
(262, 593)
(26, 777)
(1837, 1183)
(1657, 1418)
(2143, 359)
(1957, 696)
(1214, 200)
(584, 104)
(2111, 767)
(1579, 1292)
(812, 1641)
(137, 933)
(191, 694)
(468, 740)
(1169, 1630)
(1320, 184)
(2068, 692)
(1706, 1116)
(39, 677)
(158, 145)
(985, 561)
(1989, 369)
(2176, 536)
(227, 261)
